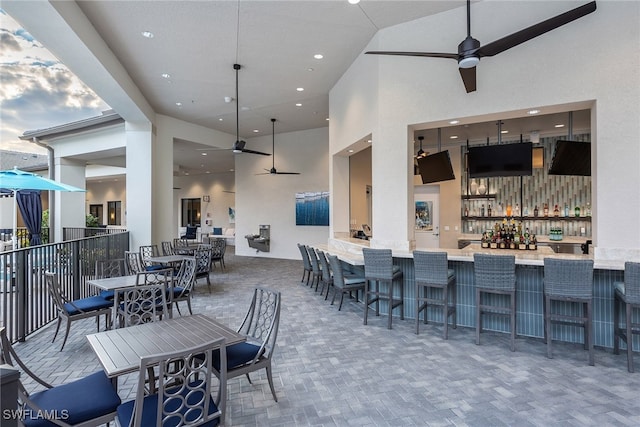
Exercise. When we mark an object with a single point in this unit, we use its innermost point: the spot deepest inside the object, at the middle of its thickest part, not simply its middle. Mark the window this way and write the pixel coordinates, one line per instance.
(115, 216)
(96, 210)
(190, 212)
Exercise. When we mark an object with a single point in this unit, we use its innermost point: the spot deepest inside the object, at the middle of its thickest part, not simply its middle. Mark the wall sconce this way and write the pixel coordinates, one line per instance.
(206, 198)
(112, 215)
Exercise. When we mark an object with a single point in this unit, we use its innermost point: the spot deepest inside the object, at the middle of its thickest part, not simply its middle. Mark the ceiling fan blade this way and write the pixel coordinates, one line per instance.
(536, 30)
(246, 150)
(287, 173)
(427, 54)
(468, 78)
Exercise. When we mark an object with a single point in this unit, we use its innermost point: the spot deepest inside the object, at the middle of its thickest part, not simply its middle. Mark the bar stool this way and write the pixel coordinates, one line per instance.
(627, 293)
(569, 280)
(432, 271)
(378, 267)
(496, 275)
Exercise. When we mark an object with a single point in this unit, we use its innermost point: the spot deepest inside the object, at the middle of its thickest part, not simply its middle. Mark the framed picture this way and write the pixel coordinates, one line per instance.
(424, 216)
(312, 208)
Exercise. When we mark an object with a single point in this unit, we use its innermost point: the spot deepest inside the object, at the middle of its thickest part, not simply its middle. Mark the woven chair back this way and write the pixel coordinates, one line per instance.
(305, 256)
(571, 278)
(431, 267)
(632, 282)
(495, 271)
(378, 264)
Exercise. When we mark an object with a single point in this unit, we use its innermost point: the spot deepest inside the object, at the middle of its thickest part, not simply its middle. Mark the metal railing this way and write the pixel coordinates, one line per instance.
(22, 235)
(25, 305)
(73, 233)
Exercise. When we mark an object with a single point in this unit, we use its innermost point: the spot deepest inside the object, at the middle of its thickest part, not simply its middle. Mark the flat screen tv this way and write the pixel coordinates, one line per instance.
(436, 167)
(500, 160)
(571, 158)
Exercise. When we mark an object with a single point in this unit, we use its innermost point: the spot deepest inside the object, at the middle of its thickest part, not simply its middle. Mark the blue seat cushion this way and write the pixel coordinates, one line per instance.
(79, 401)
(155, 267)
(88, 304)
(177, 291)
(237, 355)
(150, 406)
(108, 295)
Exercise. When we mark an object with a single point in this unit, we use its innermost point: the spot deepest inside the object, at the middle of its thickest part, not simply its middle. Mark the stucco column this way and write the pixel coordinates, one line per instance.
(69, 206)
(138, 211)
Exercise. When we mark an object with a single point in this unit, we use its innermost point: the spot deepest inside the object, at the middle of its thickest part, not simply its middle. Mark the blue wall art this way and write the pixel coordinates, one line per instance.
(312, 208)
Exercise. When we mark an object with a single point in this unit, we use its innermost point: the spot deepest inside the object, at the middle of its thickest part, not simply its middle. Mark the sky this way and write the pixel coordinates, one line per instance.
(37, 91)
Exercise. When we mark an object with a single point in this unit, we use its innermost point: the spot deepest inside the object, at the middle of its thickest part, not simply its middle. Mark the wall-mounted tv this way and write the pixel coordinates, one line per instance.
(500, 160)
(436, 167)
(571, 158)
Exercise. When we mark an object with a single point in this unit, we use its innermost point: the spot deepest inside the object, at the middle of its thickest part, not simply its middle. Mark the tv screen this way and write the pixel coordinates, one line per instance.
(500, 160)
(571, 158)
(436, 167)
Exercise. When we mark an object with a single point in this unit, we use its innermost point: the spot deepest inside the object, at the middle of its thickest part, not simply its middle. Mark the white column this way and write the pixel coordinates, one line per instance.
(69, 206)
(138, 209)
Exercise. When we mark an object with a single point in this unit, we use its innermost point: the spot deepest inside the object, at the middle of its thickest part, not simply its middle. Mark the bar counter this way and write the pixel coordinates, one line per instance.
(529, 287)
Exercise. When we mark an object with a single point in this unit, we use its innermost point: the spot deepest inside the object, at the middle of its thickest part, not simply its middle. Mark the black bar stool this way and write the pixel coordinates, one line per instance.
(378, 267)
(495, 274)
(627, 294)
(569, 280)
(432, 271)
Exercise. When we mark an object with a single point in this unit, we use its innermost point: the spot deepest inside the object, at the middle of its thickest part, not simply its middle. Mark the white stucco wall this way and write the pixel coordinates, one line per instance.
(593, 61)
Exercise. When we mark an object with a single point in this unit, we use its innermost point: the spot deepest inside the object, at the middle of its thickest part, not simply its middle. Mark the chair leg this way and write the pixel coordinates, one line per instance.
(616, 323)
(401, 298)
(390, 305)
(478, 316)
(445, 311)
(454, 290)
(270, 379)
(366, 301)
(629, 311)
(178, 308)
(66, 334)
(513, 321)
(589, 327)
(57, 329)
(340, 305)
(189, 306)
(547, 326)
(417, 291)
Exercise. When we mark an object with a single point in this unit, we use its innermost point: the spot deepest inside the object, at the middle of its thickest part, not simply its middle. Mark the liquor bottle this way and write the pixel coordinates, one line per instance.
(482, 210)
(535, 211)
(577, 211)
(545, 210)
(466, 210)
(508, 209)
(516, 212)
(588, 211)
(489, 210)
(556, 211)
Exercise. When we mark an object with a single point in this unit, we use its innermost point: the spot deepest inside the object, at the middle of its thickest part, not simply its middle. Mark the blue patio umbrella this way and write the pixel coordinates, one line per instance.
(14, 180)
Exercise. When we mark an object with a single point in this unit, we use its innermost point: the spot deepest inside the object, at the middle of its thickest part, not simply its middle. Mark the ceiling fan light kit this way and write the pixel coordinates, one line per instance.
(470, 50)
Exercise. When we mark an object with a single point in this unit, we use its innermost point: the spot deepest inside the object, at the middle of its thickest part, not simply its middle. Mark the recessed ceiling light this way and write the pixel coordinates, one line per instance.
(231, 170)
(186, 173)
(533, 111)
(166, 75)
(559, 125)
(208, 172)
(179, 104)
(309, 69)
(453, 137)
(369, 141)
(298, 105)
(327, 119)
(220, 119)
(354, 1)
(318, 56)
(454, 122)
(147, 34)
(504, 131)
(350, 151)
(256, 131)
(300, 89)
(204, 154)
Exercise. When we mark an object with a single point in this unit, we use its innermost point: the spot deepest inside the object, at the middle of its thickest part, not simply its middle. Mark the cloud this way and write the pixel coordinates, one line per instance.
(37, 90)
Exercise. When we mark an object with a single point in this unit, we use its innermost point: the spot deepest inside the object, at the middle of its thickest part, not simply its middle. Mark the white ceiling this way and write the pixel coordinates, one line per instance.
(197, 43)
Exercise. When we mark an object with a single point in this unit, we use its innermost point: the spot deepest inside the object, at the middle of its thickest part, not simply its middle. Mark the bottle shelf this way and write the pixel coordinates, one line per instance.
(478, 196)
(527, 218)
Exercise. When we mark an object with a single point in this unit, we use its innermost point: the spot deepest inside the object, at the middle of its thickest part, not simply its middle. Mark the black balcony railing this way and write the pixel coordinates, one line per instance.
(25, 305)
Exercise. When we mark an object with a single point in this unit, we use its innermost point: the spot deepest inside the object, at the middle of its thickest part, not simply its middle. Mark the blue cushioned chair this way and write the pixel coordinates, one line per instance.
(185, 395)
(191, 233)
(89, 401)
(183, 283)
(260, 326)
(94, 306)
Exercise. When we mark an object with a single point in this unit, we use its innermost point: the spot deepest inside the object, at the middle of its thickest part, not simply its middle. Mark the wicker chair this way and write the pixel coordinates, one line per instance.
(495, 275)
(569, 281)
(344, 282)
(306, 264)
(627, 294)
(316, 272)
(432, 272)
(378, 267)
(326, 279)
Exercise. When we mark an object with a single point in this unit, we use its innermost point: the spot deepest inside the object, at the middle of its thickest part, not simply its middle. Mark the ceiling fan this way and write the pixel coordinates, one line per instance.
(470, 51)
(238, 145)
(273, 170)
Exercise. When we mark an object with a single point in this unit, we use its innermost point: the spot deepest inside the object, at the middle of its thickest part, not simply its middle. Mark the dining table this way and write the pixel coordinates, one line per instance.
(120, 350)
(113, 283)
(166, 259)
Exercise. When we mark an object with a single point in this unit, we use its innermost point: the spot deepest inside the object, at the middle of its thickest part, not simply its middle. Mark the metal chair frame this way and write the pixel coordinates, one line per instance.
(626, 295)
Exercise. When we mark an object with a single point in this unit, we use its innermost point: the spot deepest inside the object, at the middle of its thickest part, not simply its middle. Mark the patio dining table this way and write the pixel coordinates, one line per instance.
(113, 283)
(166, 259)
(120, 350)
